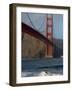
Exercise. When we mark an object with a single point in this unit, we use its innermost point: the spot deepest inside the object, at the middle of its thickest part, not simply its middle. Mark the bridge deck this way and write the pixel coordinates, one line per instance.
(29, 30)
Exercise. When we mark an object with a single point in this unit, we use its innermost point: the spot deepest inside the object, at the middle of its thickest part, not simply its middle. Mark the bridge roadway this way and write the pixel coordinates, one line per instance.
(29, 30)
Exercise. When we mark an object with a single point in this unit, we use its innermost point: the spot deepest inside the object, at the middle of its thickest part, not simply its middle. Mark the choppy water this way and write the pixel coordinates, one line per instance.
(39, 69)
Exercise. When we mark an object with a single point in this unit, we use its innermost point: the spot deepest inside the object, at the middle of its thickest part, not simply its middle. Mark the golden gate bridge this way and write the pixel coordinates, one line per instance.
(47, 38)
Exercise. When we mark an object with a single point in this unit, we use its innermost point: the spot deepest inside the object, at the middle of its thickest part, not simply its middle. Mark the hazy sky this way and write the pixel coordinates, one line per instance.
(38, 21)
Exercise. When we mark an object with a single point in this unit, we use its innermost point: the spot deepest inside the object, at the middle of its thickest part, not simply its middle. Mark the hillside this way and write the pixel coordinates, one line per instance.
(35, 48)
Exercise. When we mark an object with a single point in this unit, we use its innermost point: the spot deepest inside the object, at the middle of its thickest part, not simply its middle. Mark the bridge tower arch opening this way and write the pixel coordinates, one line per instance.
(49, 34)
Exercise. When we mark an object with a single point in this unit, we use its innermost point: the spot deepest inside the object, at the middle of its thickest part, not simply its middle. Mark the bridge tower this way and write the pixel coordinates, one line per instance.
(49, 34)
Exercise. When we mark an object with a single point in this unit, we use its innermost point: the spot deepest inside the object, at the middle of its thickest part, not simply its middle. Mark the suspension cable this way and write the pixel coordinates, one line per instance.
(31, 21)
(33, 24)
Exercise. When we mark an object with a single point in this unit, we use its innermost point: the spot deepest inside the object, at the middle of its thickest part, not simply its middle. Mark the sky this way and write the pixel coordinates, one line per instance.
(38, 22)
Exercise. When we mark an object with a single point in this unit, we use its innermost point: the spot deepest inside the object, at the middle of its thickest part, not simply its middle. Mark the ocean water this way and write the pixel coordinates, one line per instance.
(31, 68)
